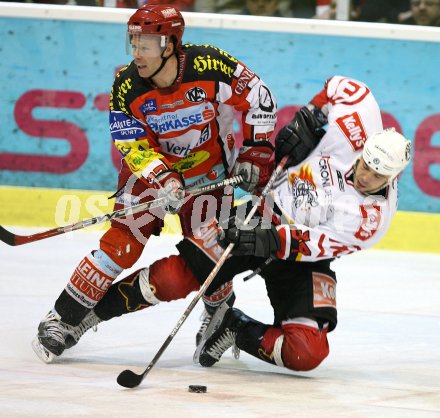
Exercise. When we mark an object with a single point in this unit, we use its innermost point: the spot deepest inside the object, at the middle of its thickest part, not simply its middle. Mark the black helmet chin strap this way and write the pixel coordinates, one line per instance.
(164, 61)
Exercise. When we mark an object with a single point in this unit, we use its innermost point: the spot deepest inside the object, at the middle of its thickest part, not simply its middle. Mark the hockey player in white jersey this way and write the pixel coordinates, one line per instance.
(337, 196)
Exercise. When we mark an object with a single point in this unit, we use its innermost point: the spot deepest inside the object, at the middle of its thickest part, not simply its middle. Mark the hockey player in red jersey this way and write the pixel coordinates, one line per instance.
(171, 118)
(337, 197)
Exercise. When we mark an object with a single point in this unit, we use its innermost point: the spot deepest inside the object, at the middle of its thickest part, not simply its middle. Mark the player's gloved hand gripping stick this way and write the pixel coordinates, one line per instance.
(128, 378)
(13, 239)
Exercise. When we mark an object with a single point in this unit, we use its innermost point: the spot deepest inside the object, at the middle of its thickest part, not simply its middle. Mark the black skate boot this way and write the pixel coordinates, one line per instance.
(208, 313)
(50, 341)
(227, 323)
(210, 326)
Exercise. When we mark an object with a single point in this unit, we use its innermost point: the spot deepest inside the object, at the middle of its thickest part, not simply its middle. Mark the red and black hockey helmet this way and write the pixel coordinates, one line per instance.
(157, 20)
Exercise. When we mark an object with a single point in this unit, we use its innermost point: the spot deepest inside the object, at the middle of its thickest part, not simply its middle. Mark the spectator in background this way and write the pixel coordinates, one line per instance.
(262, 8)
(218, 6)
(185, 5)
(284, 7)
(325, 9)
(182, 5)
(423, 13)
(322, 6)
(128, 4)
(379, 10)
(304, 9)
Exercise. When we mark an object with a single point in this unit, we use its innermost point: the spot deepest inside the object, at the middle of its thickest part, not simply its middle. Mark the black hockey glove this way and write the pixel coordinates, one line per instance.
(260, 241)
(301, 136)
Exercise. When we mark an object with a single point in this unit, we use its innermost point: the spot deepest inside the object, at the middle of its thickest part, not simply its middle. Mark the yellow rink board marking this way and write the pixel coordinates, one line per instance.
(48, 208)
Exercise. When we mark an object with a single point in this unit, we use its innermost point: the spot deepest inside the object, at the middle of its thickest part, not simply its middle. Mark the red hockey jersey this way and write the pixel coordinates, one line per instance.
(188, 127)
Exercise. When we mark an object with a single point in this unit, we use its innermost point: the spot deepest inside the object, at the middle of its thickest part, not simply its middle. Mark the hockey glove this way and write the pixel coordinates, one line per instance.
(254, 163)
(301, 136)
(171, 186)
(259, 241)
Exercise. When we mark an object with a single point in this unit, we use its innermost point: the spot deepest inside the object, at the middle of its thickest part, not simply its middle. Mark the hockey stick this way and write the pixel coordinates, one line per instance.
(14, 239)
(128, 378)
(259, 269)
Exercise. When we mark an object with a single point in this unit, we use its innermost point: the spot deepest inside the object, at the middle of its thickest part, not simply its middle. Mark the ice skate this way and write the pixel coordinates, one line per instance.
(50, 341)
(209, 328)
(206, 319)
(226, 324)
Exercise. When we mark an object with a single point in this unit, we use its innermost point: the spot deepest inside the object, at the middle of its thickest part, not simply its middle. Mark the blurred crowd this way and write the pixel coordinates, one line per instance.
(411, 12)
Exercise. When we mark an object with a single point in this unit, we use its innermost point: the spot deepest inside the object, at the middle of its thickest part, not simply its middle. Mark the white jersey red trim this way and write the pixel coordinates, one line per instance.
(320, 214)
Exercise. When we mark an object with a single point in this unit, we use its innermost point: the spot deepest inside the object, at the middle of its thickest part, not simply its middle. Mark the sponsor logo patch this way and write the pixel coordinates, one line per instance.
(325, 172)
(172, 105)
(88, 284)
(170, 12)
(371, 216)
(191, 160)
(149, 106)
(353, 129)
(266, 101)
(196, 95)
(324, 291)
(340, 181)
(242, 82)
(206, 63)
(134, 28)
(122, 127)
(119, 93)
(179, 121)
(303, 188)
(205, 238)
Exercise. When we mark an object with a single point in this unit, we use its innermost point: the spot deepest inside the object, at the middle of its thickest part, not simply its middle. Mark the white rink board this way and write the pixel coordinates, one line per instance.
(227, 21)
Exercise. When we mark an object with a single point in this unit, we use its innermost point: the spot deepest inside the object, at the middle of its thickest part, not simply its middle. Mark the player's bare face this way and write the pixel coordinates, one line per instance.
(147, 54)
(366, 180)
(426, 12)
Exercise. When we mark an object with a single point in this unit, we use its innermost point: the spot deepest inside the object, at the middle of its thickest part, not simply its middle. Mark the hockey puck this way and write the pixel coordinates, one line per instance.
(197, 389)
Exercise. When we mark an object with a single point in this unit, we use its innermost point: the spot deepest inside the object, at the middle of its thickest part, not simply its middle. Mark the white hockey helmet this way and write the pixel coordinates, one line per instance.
(387, 152)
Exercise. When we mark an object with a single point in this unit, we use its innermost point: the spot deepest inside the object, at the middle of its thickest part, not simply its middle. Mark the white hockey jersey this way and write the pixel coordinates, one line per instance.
(320, 214)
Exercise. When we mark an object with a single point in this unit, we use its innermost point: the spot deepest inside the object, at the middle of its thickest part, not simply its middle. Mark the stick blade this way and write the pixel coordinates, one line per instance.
(129, 379)
(7, 237)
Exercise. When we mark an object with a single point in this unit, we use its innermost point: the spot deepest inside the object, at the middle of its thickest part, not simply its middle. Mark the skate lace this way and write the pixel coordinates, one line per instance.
(90, 321)
(225, 341)
(55, 329)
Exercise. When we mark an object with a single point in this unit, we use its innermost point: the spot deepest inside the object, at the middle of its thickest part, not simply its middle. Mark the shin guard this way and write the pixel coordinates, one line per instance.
(299, 345)
(224, 293)
(88, 284)
(130, 294)
(305, 344)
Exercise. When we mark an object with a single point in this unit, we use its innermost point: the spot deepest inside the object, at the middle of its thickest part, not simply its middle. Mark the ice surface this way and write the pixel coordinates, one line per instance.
(384, 359)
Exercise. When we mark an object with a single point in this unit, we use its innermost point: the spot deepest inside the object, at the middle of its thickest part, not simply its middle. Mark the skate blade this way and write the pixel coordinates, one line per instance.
(235, 352)
(212, 327)
(42, 353)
